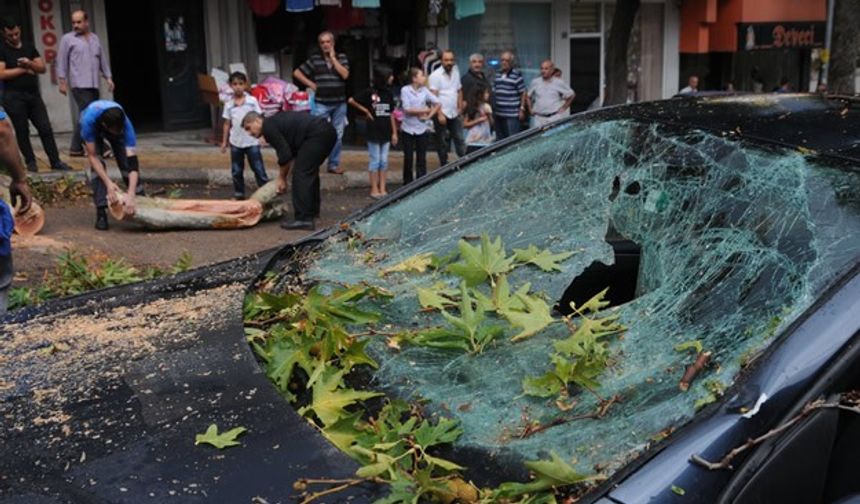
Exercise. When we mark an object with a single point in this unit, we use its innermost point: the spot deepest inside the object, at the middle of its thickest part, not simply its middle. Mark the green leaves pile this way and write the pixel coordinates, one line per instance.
(483, 299)
(583, 356)
(310, 343)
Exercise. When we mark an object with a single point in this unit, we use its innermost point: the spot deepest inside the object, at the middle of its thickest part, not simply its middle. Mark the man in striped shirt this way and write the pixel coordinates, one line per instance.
(510, 92)
(326, 74)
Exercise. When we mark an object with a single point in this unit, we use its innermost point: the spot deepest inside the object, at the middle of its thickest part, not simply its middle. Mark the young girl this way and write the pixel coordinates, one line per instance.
(419, 105)
(241, 143)
(478, 119)
(376, 104)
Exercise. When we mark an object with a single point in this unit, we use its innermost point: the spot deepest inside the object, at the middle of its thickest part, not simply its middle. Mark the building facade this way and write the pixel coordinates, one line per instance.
(753, 44)
(157, 48)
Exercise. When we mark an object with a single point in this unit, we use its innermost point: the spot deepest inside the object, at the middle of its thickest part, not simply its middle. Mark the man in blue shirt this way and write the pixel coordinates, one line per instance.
(105, 120)
(10, 160)
(509, 93)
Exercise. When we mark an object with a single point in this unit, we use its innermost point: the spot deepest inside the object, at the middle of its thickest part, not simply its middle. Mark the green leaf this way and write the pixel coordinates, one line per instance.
(534, 318)
(444, 464)
(678, 490)
(343, 433)
(481, 262)
(437, 296)
(417, 263)
(548, 474)
(220, 441)
(444, 431)
(371, 470)
(593, 305)
(548, 385)
(503, 300)
(356, 355)
(330, 401)
(282, 355)
(688, 345)
(440, 337)
(339, 306)
(544, 259)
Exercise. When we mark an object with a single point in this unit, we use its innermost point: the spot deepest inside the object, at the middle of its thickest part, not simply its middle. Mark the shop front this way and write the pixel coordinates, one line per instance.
(754, 46)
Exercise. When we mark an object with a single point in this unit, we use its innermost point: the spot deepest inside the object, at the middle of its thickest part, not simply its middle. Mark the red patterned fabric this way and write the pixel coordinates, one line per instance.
(264, 7)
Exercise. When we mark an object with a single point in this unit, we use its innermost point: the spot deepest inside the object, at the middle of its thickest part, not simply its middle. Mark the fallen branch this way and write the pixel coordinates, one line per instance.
(726, 462)
(530, 429)
(339, 488)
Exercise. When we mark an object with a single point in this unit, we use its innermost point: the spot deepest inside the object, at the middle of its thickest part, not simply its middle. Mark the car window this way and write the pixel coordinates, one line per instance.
(733, 241)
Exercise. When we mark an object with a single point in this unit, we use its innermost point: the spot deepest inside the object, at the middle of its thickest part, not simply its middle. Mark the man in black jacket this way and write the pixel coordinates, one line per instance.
(20, 64)
(302, 140)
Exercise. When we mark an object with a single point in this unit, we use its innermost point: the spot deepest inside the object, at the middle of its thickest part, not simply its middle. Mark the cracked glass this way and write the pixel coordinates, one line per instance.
(733, 241)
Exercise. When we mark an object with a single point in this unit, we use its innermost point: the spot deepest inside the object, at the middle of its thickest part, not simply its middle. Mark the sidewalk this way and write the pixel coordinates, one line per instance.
(184, 157)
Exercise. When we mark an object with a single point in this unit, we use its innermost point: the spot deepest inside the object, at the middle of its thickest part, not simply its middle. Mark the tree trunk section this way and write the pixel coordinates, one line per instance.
(845, 51)
(616, 52)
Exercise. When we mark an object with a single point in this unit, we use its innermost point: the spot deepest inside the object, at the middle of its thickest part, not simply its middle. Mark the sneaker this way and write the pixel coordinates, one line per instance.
(73, 153)
(61, 166)
(32, 168)
(101, 219)
(298, 224)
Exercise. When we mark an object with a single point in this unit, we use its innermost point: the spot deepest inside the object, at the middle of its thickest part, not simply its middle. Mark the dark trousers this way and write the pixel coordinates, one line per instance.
(82, 97)
(450, 132)
(306, 176)
(117, 145)
(255, 161)
(24, 107)
(418, 145)
(507, 126)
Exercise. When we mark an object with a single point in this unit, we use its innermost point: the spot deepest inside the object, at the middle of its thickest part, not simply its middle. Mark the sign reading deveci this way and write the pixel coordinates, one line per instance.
(795, 35)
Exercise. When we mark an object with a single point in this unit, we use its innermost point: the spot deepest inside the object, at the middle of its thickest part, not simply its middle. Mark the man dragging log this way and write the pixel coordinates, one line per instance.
(302, 140)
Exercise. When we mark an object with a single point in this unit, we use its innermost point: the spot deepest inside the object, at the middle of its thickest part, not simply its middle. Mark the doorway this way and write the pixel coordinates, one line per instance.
(585, 71)
(157, 49)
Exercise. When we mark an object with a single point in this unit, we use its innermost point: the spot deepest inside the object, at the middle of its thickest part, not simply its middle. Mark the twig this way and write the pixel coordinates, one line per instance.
(316, 495)
(693, 370)
(600, 412)
(726, 461)
(264, 323)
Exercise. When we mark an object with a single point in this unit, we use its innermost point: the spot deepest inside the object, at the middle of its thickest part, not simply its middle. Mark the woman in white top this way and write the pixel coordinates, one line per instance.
(419, 105)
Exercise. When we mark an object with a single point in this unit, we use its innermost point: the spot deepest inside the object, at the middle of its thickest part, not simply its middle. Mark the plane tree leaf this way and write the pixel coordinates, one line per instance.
(219, 440)
(330, 399)
(481, 262)
(532, 319)
(417, 264)
(543, 259)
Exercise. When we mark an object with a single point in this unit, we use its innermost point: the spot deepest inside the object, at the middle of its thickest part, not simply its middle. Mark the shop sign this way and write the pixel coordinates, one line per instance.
(46, 27)
(794, 35)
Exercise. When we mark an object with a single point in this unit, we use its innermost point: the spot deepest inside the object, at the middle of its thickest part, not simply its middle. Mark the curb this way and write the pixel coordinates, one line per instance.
(351, 179)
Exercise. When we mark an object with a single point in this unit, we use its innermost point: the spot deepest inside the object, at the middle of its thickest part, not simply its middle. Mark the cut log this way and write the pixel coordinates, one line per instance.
(30, 222)
(166, 213)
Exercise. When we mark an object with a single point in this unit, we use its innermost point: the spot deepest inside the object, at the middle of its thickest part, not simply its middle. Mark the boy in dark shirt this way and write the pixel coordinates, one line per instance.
(301, 139)
(19, 65)
(376, 104)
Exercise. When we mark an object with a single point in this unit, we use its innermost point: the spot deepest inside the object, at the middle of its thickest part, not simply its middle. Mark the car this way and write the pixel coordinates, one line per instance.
(719, 366)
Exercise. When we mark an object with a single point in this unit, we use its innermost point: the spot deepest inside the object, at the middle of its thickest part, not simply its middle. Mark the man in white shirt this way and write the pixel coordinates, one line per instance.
(548, 98)
(692, 86)
(445, 83)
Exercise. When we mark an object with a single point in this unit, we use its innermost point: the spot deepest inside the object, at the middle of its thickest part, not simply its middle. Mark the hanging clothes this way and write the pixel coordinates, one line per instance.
(265, 8)
(466, 8)
(366, 4)
(300, 5)
(343, 18)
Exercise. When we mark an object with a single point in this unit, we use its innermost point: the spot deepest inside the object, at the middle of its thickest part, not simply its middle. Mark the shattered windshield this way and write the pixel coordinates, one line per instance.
(708, 245)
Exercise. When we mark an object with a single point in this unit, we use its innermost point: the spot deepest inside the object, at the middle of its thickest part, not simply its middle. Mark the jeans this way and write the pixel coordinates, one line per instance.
(255, 161)
(507, 126)
(24, 107)
(117, 145)
(450, 132)
(336, 114)
(83, 97)
(378, 153)
(320, 140)
(418, 145)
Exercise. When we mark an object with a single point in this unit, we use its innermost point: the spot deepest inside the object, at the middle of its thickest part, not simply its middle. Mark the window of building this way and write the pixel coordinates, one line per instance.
(522, 27)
